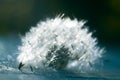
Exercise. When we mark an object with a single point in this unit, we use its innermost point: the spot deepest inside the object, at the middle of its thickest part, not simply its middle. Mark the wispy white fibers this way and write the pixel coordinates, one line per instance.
(59, 43)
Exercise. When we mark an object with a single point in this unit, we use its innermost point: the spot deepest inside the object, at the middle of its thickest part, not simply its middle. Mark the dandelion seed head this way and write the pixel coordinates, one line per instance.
(67, 38)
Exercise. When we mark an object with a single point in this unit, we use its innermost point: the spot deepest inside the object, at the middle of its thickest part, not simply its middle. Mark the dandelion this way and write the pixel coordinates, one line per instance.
(60, 44)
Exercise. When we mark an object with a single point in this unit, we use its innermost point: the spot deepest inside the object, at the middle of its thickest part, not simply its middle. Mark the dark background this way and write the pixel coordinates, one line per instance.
(103, 16)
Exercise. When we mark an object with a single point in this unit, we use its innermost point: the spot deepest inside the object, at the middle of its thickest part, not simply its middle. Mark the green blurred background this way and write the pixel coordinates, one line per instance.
(103, 16)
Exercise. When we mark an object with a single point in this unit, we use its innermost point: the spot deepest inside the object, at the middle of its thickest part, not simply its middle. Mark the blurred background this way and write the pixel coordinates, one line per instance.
(103, 16)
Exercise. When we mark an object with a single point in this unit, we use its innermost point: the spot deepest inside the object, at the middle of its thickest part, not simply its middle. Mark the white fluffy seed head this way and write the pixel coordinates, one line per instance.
(82, 47)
